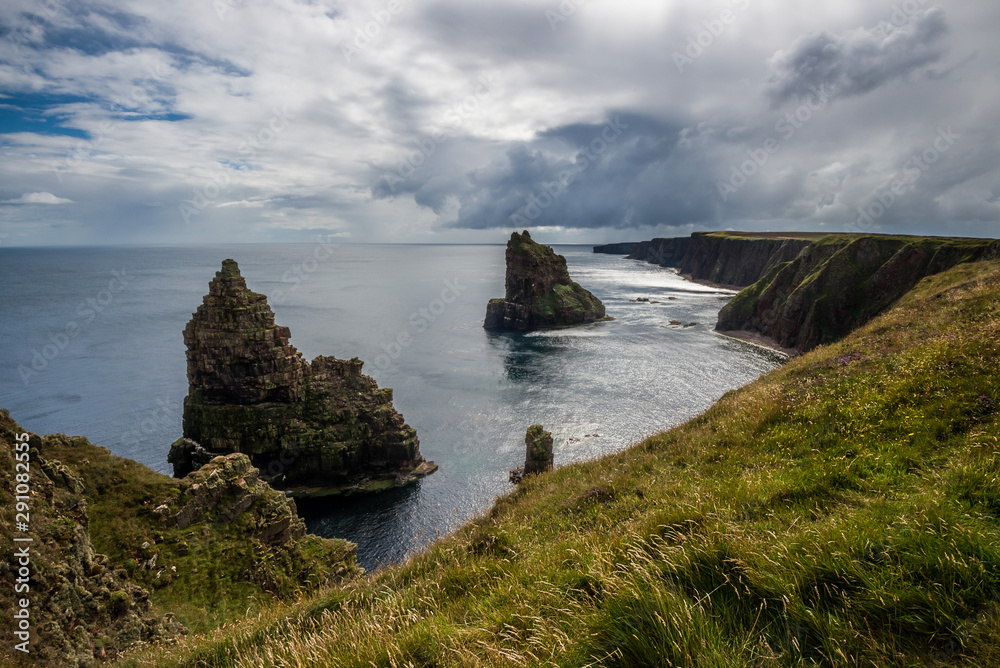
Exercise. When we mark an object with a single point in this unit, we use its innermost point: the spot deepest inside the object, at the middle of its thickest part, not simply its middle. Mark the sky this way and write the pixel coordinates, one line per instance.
(452, 121)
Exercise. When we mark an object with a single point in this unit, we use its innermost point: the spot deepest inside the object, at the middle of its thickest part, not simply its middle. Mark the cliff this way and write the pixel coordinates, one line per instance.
(839, 511)
(121, 555)
(730, 259)
(839, 283)
(316, 428)
(540, 294)
(623, 248)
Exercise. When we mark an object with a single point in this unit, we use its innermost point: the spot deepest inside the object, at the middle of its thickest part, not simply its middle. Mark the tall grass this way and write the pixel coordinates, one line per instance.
(841, 511)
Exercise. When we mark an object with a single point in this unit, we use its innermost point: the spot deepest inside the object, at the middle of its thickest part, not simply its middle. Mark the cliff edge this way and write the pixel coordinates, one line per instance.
(314, 429)
(839, 283)
(540, 294)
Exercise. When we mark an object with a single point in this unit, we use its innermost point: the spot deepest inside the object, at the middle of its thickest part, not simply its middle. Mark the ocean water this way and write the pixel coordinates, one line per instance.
(92, 345)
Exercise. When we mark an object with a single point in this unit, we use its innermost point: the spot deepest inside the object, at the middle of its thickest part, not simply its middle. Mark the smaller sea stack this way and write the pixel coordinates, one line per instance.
(540, 293)
(538, 455)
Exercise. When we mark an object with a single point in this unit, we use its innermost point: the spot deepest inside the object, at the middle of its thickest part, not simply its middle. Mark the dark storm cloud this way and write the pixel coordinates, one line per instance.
(627, 172)
(861, 60)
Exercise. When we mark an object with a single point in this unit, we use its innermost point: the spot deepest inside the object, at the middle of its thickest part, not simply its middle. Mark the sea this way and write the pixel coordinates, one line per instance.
(91, 342)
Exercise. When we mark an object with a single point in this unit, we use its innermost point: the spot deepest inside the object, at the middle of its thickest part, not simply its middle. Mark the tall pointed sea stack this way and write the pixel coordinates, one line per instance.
(540, 293)
(315, 429)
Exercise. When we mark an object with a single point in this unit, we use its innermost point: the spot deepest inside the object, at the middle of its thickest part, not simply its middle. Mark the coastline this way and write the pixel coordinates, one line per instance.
(745, 336)
(760, 341)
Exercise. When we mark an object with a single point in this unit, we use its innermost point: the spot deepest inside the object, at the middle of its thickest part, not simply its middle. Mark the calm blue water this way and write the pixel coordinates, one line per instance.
(92, 345)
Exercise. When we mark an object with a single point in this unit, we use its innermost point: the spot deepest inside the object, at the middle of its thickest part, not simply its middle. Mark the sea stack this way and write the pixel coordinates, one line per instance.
(540, 293)
(314, 429)
(538, 455)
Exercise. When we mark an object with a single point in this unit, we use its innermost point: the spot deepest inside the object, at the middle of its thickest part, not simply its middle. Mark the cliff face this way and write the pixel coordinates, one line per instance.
(623, 248)
(313, 428)
(839, 283)
(121, 554)
(540, 293)
(717, 257)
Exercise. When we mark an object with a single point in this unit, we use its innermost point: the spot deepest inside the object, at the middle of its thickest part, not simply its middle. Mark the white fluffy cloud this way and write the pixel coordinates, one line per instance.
(37, 198)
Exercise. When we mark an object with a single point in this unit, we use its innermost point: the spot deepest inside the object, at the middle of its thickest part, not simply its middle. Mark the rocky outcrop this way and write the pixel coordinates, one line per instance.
(121, 555)
(223, 490)
(839, 283)
(623, 248)
(538, 456)
(730, 259)
(540, 293)
(314, 428)
(82, 608)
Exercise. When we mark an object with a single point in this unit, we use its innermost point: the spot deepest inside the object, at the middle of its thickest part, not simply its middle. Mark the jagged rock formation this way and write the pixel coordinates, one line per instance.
(82, 607)
(540, 294)
(117, 548)
(731, 259)
(313, 428)
(839, 283)
(538, 456)
(223, 490)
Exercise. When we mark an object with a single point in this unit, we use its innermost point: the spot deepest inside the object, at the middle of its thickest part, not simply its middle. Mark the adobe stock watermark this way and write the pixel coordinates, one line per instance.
(566, 9)
(301, 271)
(87, 311)
(21, 561)
(419, 322)
(83, 149)
(487, 86)
(553, 190)
(787, 126)
(147, 424)
(223, 178)
(902, 14)
(222, 7)
(365, 36)
(704, 39)
(887, 195)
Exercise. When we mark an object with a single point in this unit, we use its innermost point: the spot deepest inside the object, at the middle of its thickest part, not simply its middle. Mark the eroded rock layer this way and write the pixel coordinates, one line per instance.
(314, 428)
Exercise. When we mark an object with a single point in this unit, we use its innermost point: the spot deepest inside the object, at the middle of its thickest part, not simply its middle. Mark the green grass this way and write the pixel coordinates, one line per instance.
(208, 574)
(841, 511)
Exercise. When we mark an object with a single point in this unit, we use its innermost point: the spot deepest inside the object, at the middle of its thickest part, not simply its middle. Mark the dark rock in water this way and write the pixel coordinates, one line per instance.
(187, 456)
(315, 428)
(540, 293)
(538, 455)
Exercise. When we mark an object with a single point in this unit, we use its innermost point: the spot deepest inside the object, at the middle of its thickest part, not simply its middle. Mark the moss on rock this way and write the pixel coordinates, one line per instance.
(540, 293)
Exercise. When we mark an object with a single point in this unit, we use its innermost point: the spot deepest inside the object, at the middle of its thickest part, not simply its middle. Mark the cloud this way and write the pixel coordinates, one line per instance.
(37, 198)
(858, 61)
(135, 108)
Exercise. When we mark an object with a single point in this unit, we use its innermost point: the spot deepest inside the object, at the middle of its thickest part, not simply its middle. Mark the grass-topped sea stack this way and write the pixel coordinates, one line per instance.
(315, 428)
(540, 293)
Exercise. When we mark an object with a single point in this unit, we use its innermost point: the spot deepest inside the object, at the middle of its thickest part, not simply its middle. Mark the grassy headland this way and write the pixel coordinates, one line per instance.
(843, 510)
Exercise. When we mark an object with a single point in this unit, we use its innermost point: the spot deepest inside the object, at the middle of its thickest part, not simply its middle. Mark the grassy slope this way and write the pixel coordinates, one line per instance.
(843, 510)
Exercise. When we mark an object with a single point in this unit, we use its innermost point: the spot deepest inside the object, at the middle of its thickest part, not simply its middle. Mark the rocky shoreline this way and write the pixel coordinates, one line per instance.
(801, 290)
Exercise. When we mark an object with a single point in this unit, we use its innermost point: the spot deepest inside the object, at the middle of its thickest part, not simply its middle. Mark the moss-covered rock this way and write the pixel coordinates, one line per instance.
(538, 456)
(540, 294)
(839, 283)
(121, 554)
(311, 428)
